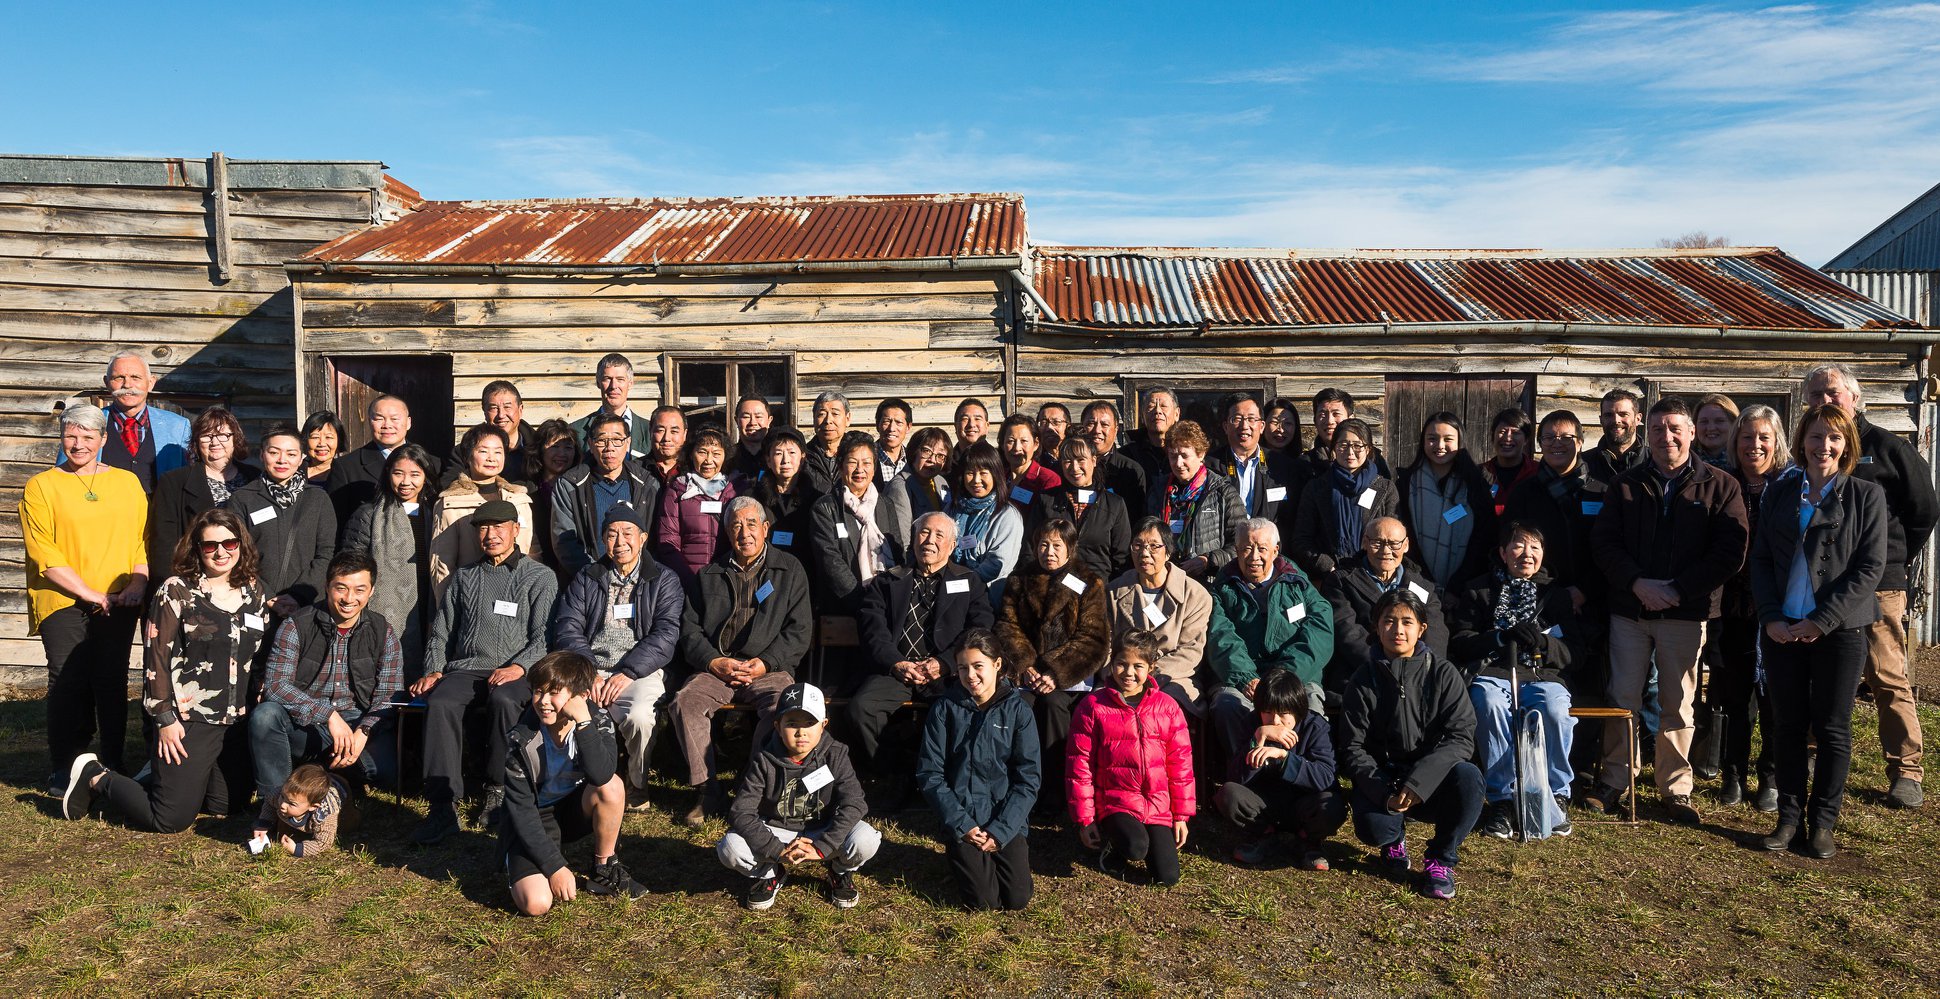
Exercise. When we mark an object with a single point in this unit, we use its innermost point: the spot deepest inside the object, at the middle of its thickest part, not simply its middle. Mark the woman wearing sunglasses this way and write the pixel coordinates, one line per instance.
(206, 624)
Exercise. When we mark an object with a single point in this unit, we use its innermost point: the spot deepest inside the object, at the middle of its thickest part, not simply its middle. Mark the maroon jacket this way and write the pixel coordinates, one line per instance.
(687, 530)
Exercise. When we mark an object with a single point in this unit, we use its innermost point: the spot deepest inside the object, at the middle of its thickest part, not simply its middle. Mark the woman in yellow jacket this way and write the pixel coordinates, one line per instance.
(454, 542)
(87, 572)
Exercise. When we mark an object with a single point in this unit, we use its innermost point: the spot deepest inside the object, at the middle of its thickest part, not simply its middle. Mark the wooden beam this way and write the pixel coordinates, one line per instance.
(219, 214)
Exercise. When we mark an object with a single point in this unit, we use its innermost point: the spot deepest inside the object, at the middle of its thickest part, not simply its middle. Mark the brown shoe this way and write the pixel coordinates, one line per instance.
(1682, 810)
(712, 801)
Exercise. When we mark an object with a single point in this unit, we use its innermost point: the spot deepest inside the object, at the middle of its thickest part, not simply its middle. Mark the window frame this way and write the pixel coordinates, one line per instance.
(732, 360)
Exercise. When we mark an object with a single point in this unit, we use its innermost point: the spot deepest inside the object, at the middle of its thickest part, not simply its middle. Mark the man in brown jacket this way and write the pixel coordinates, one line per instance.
(1672, 530)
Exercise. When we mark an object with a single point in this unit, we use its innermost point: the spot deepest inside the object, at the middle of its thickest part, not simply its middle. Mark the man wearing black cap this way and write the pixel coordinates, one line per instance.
(623, 613)
(491, 623)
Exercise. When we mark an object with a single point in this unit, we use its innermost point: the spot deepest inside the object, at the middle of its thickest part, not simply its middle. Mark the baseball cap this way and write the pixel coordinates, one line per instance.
(804, 697)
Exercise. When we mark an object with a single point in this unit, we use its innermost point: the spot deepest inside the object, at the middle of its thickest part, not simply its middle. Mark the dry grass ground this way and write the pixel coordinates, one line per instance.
(91, 908)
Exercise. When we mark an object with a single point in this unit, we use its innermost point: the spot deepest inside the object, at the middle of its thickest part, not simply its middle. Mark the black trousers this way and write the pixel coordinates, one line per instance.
(216, 778)
(1813, 685)
(1452, 807)
(869, 708)
(1133, 840)
(1734, 689)
(445, 708)
(87, 683)
(1000, 880)
(1267, 802)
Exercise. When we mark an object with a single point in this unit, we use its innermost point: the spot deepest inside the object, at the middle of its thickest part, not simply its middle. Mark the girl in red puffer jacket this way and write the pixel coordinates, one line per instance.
(1128, 768)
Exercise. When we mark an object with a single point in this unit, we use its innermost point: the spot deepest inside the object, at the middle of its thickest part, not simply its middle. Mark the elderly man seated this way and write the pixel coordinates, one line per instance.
(743, 633)
(1381, 567)
(1267, 615)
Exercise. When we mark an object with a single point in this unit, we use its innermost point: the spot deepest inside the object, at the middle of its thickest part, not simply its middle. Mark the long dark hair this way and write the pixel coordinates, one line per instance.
(187, 561)
(1463, 460)
(412, 453)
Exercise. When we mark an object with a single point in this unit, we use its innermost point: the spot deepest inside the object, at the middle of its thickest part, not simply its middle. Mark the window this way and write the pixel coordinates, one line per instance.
(1474, 398)
(1201, 400)
(1784, 396)
(707, 388)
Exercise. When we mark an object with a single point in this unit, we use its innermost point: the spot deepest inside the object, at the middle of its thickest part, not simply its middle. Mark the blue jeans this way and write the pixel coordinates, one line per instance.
(1495, 732)
(279, 744)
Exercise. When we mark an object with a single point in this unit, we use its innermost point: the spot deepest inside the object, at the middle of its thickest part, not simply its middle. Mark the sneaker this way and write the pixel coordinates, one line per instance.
(1562, 826)
(1682, 810)
(612, 878)
(485, 814)
(1253, 852)
(1767, 798)
(1394, 856)
(1313, 860)
(1905, 793)
(441, 822)
(78, 798)
(1495, 821)
(762, 891)
(842, 889)
(1606, 798)
(1437, 880)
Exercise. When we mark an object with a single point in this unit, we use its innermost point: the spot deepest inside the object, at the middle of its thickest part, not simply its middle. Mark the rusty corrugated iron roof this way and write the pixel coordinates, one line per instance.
(1118, 288)
(631, 232)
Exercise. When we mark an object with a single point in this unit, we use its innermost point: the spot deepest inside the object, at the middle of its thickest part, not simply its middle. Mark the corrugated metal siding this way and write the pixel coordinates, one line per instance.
(713, 231)
(1909, 293)
(1160, 289)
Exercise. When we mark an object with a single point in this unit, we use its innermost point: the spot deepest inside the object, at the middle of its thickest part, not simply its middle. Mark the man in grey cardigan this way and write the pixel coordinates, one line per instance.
(491, 624)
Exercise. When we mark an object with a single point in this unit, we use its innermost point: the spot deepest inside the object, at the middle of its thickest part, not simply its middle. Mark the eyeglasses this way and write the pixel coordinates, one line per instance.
(226, 544)
(1147, 549)
(218, 435)
(1551, 440)
(1247, 421)
(1387, 546)
(1350, 447)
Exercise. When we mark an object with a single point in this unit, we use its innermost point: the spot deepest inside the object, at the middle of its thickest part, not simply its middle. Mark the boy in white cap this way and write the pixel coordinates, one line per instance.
(798, 803)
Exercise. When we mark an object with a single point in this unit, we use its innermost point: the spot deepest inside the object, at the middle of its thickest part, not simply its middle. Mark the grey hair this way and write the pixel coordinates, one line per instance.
(85, 418)
(613, 360)
(1845, 377)
(1367, 530)
(1255, 527)
(740, 503)
(1781, 442)
(123, 355)
(948, 520)
(833, 397)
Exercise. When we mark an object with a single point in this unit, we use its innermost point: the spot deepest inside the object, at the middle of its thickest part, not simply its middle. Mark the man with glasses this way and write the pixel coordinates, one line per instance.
(1121, 476)
(1359, 583)
(1148, 448)
(1053, 422)
(583, 495)
(1266, 615)
(1269, 481)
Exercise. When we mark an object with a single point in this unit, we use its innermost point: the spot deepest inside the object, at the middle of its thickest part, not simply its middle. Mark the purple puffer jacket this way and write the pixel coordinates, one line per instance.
(687, 532)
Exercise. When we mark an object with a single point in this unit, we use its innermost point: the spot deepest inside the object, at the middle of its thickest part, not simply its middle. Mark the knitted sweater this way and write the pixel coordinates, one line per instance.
(491, 616)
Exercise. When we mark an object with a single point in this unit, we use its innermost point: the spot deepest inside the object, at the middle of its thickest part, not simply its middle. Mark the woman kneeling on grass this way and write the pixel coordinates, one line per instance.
(206, 625)
(1129, 772)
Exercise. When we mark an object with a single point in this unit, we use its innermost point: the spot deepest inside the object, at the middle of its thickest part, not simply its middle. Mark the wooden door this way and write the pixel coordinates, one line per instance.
(422, 381)
(1474, 398)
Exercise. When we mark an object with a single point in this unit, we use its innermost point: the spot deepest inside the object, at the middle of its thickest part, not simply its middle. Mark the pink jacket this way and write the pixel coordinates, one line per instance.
(1132, 760)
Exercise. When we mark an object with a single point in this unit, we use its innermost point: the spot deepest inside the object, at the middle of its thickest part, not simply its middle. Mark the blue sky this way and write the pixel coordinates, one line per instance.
(1231, 124)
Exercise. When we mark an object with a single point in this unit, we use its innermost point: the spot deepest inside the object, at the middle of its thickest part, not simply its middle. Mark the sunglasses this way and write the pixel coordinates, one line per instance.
(226, 544)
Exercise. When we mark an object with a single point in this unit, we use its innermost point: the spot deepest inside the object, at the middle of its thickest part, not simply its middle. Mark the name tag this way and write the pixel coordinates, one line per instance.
(637, 454)
(1085, 495)
(711, 507)
(1555, 631)
(1451, 515)
(841, 529)
(263, 516)
(1592, 507)
(1367, 498)
(1073, 583)
(1420, 591)
(1019, 494)
(1178, 527)
(818, 780)
(623, 612)
(966, 544)
(785, 538)
(1297, 613)
(1153, 616)
(1865, 459)
(411, 507)
(956, 586)
(1494, 487)
(253, 622)
(1276, 494)
(505, 608)
(767, 590)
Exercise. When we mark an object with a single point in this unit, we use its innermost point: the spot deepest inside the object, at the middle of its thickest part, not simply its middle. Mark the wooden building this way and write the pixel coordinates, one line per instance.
(874, 297)
(1897, 264)
(180, 260)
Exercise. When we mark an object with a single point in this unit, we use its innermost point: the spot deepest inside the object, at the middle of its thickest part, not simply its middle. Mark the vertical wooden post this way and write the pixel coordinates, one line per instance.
(219, 213)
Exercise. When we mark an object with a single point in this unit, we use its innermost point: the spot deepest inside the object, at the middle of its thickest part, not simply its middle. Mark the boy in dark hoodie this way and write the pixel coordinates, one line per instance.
(1285, 780)
(979, 768)
(561, 785)
(799, 803)
(1407, 731)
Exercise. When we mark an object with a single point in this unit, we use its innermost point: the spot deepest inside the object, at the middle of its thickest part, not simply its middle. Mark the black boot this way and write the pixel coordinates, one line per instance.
(1781, 838)
(1732, 792)
(1820, 845)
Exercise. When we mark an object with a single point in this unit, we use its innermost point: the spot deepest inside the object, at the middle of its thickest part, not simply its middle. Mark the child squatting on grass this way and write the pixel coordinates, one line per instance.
(303, 815)
(1407, 732)
(1128, 767)
(978, 766)
(799, 803)
(562, 784)
(1284, 783)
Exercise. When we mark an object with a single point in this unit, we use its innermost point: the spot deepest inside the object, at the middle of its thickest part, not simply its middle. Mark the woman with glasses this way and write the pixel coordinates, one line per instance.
(1336, 504)
(930, 458)
(215, 470)
(1104, 527)
(1158, 597)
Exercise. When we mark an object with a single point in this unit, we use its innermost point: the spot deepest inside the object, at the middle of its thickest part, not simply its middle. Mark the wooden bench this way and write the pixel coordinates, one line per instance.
(1629, 742)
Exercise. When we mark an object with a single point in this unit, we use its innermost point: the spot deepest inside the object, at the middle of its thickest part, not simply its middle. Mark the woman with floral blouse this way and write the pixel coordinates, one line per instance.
(206, 624)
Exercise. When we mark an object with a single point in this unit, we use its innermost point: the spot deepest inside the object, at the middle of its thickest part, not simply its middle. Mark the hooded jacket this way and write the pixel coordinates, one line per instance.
(1129, 760)
(599, 758)
(979, 767)
(772, 793)
(1405, 723)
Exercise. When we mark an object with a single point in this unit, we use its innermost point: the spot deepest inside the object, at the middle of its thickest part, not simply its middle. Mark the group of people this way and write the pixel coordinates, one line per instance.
(1045, 593)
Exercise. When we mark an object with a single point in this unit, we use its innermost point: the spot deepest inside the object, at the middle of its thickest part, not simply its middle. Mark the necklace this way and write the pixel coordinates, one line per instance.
(90, 496)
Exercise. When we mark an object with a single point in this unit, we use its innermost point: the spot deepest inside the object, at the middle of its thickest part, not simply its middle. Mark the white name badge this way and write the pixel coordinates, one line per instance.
(956, 586)
(637, 454)
(1154, 617)
(1086, 495)
(818, 780)
(259, 844)
(411, 507)
(1178, 527)
(1073, 583)
(253, 622)
(1592, 507)
(622, 612)
(1297, 613)
(711, 507)
(1367, 498)
(966, 544)
(785, 538)
(841, 529)
(1019, 494)
(1276, 494)
(263, 516)
(505, 608)
(1420, 591)
(1450, 515)
(767, 590)
(1865, 459)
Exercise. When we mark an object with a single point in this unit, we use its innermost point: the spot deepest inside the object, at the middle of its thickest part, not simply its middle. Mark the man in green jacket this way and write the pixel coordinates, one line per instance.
(1266, 615)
